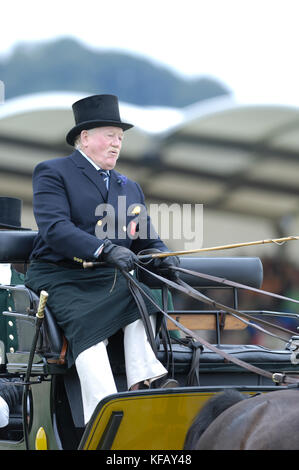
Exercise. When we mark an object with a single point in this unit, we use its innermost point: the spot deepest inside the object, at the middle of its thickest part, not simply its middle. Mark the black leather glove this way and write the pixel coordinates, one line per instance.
(162, 265)
(119, 256)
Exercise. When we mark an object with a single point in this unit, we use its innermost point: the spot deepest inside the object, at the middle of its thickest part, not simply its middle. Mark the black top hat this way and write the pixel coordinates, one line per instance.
(10, 213)
(95, 111)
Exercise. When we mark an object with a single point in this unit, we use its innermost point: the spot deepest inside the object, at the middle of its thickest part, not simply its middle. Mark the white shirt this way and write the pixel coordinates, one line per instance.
(97, 167)
(90, 160)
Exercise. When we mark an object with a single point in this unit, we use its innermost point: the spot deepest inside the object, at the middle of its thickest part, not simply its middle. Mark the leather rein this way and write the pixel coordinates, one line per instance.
(181, 286)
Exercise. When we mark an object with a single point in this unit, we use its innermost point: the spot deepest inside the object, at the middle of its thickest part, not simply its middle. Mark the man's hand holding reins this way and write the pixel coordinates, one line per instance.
(118, 256)
(163, 265)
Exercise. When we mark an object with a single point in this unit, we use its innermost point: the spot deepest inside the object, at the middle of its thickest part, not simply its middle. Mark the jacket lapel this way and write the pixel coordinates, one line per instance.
(115, 188)
(90, 172)
(117, 199)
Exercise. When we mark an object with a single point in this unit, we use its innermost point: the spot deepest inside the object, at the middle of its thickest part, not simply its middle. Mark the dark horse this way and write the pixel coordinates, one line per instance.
(230, 421)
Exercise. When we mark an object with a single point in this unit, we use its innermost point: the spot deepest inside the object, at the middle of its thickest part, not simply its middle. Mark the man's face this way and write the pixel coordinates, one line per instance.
(102, 145)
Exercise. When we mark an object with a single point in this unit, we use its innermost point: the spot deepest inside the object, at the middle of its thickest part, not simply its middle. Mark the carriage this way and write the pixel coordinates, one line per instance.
(51, 415)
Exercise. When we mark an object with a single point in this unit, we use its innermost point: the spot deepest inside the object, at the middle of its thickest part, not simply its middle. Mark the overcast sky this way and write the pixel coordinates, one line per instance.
(250, 45)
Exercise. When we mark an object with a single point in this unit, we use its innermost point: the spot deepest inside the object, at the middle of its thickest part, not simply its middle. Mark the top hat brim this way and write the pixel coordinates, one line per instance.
(76, 130)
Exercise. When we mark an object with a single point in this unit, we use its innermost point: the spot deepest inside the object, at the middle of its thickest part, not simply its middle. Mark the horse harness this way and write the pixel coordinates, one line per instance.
(195, 341)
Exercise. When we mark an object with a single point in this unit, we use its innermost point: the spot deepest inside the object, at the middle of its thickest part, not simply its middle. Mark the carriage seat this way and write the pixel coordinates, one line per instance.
(213, 369)
(244, 270)
(16, 246)
(51, 346)
(253, 354)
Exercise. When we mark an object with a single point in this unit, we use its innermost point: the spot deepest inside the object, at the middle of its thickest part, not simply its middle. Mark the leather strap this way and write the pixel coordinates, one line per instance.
(142, 310)
(242, 286)
(185, 288)
(61, 359)
(229, 283)
(193, 376)
(235, 313)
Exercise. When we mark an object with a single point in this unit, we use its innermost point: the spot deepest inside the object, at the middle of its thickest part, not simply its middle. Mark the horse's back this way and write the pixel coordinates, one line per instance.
(269, 421)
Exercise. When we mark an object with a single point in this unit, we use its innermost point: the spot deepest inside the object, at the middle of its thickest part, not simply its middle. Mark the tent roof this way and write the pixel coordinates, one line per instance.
(233, 158)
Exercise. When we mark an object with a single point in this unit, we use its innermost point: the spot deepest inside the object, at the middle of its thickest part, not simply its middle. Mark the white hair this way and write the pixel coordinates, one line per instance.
(77, 141)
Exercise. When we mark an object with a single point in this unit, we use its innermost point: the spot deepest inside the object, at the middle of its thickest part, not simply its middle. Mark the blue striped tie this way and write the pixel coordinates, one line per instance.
(105, 175)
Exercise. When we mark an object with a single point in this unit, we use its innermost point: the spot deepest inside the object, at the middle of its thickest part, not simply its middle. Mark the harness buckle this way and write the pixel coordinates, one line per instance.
(278, 377)
(293, 346)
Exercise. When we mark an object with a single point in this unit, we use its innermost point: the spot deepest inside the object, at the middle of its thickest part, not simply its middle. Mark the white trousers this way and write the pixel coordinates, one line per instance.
(94, 370)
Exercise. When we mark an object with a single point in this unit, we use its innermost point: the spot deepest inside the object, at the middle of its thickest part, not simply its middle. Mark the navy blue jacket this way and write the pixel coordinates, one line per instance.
(68, 198)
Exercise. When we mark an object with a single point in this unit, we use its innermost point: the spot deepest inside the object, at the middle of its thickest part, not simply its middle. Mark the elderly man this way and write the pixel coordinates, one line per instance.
(85, 210)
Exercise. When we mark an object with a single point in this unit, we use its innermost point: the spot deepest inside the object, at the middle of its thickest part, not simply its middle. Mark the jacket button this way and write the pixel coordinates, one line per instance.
(136, 210)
